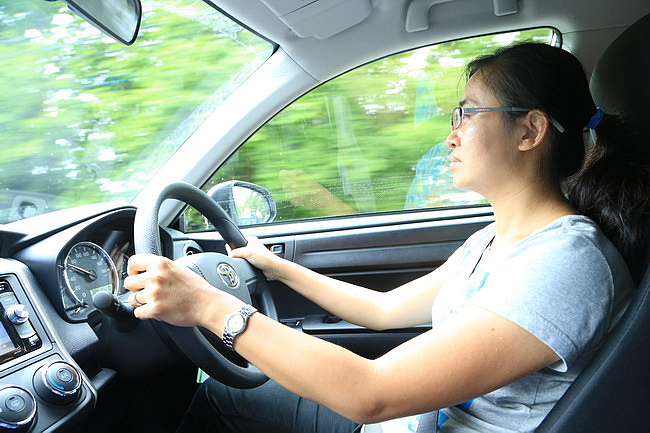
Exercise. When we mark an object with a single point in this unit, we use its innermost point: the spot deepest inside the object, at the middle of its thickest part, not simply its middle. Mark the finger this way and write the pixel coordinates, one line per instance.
(140, 262)
(136, 282)
(143, 312)
(245, 251)
(242, 253)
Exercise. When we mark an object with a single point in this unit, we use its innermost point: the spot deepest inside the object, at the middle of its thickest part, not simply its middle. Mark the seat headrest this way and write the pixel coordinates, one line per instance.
(620, 83)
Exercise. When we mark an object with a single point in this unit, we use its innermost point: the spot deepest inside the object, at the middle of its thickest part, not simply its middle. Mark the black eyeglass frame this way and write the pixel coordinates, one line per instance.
(457, 115)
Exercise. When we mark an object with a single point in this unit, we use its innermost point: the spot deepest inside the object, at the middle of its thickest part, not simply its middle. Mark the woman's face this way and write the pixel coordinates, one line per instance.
(485, 153)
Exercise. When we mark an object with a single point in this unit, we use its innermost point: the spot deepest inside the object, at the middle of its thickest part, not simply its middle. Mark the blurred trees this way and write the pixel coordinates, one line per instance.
(361, 135)
(86, 120)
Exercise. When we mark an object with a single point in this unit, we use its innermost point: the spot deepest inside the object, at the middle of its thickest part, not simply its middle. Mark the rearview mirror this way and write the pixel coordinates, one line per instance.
(119, 19)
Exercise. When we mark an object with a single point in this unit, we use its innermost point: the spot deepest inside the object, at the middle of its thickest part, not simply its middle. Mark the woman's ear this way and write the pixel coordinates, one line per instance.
(535, 125)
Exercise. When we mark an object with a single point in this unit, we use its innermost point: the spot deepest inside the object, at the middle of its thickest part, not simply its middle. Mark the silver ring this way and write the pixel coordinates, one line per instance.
(135, 298)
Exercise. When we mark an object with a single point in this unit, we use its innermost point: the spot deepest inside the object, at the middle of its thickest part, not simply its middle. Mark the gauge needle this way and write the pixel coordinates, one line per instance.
(89, 275)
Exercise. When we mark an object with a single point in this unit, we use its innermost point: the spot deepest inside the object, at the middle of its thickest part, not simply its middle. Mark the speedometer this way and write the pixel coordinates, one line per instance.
(87, 270)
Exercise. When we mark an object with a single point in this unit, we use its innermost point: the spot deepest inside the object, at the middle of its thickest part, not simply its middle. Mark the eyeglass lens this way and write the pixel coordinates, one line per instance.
(456, 118)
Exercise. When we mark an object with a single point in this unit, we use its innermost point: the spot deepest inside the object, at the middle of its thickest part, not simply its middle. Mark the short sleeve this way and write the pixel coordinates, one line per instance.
(559, 289)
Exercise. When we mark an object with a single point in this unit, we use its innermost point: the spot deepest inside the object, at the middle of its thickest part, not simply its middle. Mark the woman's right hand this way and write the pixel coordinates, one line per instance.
(259, 256)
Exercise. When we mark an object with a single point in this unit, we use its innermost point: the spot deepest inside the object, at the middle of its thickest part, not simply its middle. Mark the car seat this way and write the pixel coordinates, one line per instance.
(612, 394)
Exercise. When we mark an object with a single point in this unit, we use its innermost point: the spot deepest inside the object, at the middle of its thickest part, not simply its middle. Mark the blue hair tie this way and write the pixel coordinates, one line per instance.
(595, 119)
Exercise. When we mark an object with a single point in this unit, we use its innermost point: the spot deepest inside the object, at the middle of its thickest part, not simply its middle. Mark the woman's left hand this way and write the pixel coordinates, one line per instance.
(167, 291)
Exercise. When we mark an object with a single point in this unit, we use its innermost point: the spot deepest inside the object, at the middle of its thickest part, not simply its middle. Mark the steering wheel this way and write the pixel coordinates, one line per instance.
(234, 276)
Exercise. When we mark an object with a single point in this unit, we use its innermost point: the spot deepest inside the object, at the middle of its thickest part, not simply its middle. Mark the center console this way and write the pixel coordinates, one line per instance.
(41, 387)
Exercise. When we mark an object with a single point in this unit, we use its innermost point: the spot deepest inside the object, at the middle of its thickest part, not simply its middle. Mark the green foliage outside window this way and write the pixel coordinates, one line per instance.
(85, 119)
(353, 144)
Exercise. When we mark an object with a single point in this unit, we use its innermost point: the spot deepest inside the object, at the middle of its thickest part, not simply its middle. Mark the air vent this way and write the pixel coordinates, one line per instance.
(192, 248)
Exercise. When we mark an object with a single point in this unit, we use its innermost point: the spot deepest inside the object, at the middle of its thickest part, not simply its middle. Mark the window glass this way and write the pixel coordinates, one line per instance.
(371, 140)
(85, 120)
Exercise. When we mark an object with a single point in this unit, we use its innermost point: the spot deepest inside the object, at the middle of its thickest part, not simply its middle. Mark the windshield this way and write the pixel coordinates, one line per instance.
(85, 119)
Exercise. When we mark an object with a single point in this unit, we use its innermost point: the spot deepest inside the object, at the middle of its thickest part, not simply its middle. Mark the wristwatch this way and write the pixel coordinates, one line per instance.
(235, 324)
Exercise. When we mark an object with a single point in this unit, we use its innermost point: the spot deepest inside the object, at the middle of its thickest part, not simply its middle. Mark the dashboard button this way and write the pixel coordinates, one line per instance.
(7, 299)
(34, 341)
(64, 374)
(17, 407)
(15, 403)
(25, 330)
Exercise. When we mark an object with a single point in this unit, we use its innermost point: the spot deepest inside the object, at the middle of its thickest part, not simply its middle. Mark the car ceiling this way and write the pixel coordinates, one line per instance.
(583, 24)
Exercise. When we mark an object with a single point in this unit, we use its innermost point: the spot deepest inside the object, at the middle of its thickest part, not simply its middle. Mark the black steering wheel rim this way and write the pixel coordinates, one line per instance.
(192, 340)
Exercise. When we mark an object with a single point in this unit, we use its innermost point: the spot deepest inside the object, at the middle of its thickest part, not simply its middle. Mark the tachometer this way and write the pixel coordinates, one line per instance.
(87, 270)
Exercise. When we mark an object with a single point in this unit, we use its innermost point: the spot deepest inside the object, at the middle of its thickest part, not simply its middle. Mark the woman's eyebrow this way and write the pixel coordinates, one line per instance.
(466, 101)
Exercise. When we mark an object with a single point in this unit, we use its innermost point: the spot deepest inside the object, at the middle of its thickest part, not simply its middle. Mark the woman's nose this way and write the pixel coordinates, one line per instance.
(453, 140)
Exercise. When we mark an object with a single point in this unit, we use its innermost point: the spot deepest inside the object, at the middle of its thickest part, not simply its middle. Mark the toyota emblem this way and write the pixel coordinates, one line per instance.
(228, 275)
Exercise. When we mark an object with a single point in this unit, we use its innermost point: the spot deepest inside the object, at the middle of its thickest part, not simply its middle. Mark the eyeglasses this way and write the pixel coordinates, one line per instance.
(459, 112)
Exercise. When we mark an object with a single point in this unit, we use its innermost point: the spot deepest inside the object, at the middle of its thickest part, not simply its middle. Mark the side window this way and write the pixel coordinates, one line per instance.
(371, 140)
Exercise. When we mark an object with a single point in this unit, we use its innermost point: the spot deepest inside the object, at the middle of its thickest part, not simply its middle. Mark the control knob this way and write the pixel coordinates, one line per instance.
(17, 314)
(57, 382)
(17, 408)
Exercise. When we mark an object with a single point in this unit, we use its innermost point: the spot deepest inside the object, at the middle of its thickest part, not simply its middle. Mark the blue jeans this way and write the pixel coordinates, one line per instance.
(266, 409)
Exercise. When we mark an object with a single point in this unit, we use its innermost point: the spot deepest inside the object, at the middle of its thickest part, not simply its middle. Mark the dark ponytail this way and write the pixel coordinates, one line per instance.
(607, 180)
(613, 188)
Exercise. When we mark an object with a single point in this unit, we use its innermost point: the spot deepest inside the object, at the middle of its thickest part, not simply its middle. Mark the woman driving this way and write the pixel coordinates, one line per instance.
(516, 312)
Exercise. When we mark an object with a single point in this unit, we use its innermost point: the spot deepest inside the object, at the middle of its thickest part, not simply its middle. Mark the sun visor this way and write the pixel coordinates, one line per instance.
(320, 18)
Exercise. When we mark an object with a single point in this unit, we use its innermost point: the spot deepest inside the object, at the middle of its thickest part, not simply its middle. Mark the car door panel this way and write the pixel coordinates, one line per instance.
(380, 258)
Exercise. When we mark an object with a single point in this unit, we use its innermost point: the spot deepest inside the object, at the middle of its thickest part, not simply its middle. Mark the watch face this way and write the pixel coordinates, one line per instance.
(235, 323)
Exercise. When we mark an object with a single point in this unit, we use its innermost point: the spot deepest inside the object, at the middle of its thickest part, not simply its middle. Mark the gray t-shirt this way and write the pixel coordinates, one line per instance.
(566, 284)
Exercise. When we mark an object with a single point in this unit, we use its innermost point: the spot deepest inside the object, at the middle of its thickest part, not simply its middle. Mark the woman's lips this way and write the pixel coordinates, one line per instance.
(453, 162)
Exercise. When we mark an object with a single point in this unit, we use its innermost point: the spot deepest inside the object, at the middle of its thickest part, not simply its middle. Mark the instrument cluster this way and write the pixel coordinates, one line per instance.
(91, 265)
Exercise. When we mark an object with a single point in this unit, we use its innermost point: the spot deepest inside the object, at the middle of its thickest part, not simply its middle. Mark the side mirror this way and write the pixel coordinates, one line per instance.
(119, 19)
(245, 203)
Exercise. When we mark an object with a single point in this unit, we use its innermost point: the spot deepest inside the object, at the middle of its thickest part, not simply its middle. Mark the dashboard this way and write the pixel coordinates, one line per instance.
(57, 350)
